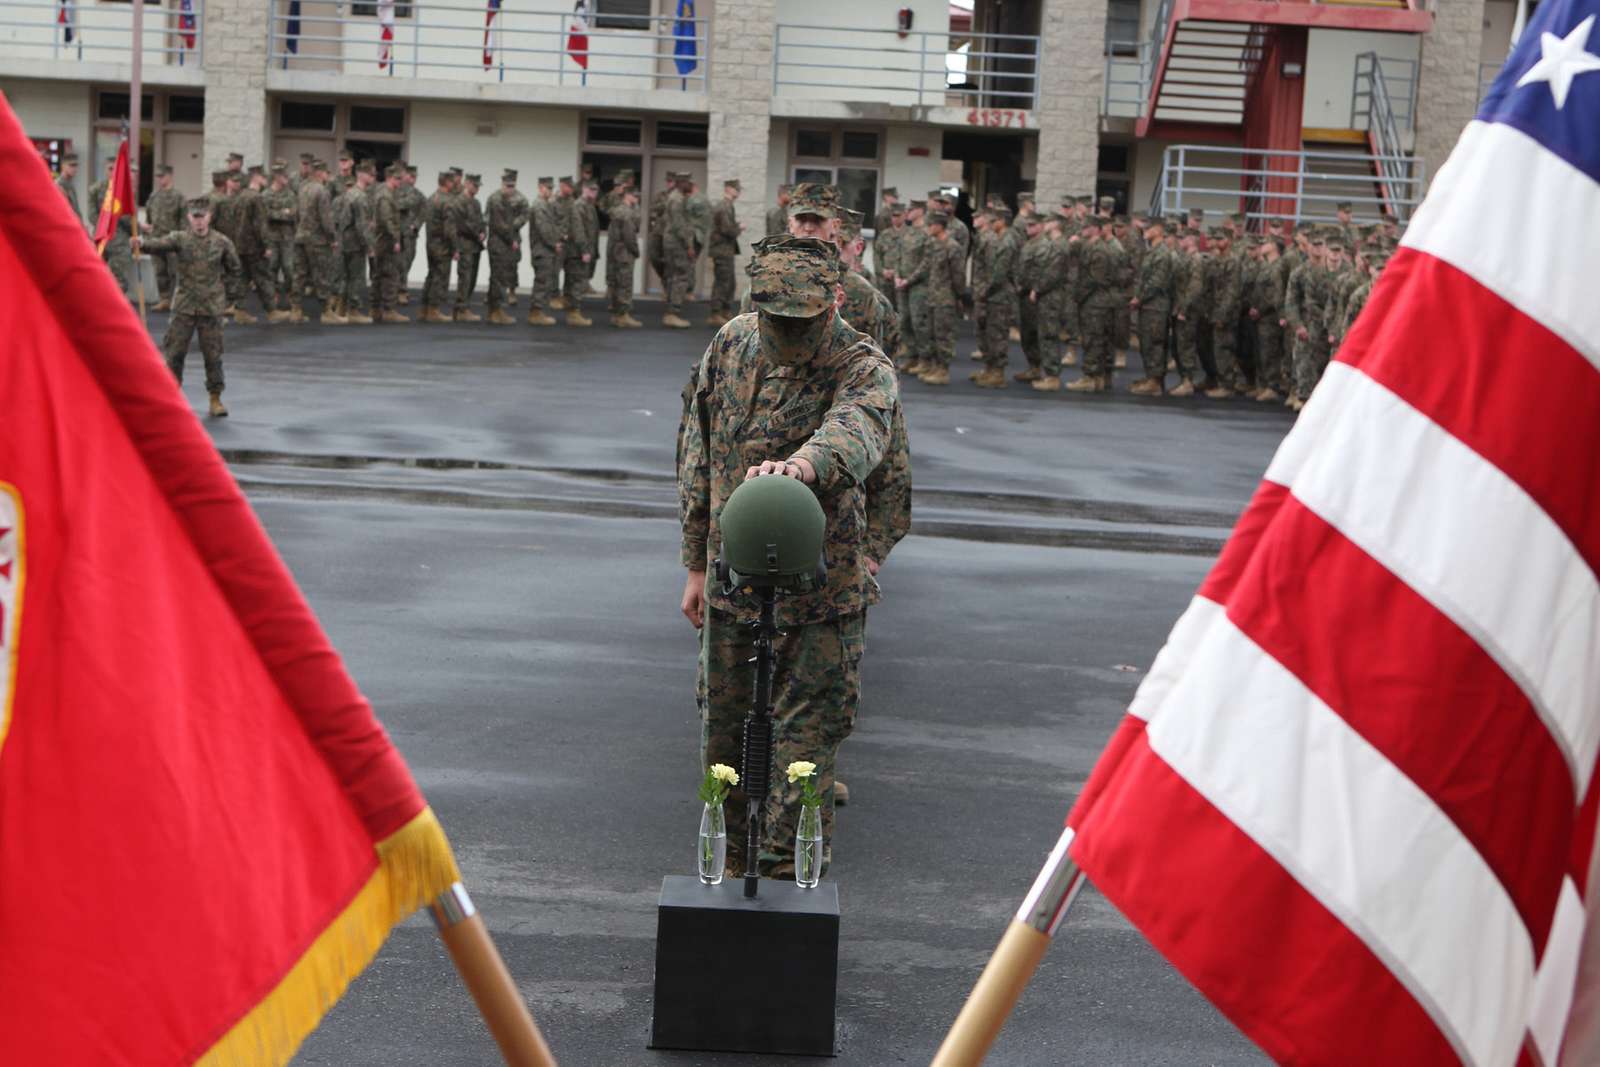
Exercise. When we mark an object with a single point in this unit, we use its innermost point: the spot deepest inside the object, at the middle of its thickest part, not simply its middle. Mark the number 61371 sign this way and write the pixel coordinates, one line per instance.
(997, 118)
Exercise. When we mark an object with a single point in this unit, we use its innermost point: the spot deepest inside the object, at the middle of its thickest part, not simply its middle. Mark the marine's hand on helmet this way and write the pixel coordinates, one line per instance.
(789, 468)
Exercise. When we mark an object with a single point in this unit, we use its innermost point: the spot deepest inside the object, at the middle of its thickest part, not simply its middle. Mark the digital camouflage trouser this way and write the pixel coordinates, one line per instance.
(385, 281)
(680, 276)
(1310, 360)
(1028, 330)
(1099, 319)
(1270, 371)
(943, 319)
(995, 335)
(920, 337)
(467, 278)
(175, 346)
(313, 269)
(1153, 339)
(1186, 348)
(436, 288)
(1225, 351)
(355, 293)
(1051, 312)
(280, 270)
(816, 689)
(502, 272)
(575, 280)
(723, 286)
(257, 270)
(543, 261)
(619, 284)
(166, 273)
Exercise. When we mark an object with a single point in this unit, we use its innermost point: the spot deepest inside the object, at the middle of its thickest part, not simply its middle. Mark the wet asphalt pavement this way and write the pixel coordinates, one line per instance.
(484, 520)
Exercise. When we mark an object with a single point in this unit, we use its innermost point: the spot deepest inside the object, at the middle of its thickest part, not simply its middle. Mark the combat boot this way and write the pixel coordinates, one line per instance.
(1122, 359)
(164, 305)
(1295, 403)
(392, 316)
(1015, 334)
(913, 368)
(537, 317)
(403, 298)
(511, 298)
(990, 378)
(1089, 383)
(1032, 374)
(674, 321)
(357, 318)
(467, 315)
(1267, 393)
(500, 318)
(616, 322)
(1070, 359)
(331, 318)
(217, 410)
(977, 355)
(1046, 384)
(1184, 388)
(336, 305)
(629, 322)
(278, 316)
(433, 314)
(576, 318)
(935, 375)
(558, 303)
(841, 794)
(243, 317)
(297, 314)
(1145, 387)
(1221, 392)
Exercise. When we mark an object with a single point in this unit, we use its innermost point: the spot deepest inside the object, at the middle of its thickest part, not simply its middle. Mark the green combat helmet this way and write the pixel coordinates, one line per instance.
(772, 532)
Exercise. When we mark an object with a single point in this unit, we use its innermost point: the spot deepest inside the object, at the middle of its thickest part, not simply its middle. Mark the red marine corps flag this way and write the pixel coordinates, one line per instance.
(1354, 801)
(205, 834)
(118, 200)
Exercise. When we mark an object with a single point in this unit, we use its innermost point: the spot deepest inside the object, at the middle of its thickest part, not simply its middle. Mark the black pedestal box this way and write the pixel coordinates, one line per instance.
(735, 974)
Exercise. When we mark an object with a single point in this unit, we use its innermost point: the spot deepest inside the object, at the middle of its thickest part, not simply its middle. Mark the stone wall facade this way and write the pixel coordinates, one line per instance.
(1447, 84)
(1069, 98)
(236, 82)
(740, 123)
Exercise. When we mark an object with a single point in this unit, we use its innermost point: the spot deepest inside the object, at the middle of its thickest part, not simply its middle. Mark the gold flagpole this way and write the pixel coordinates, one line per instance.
(1014, 961)
(486, 978)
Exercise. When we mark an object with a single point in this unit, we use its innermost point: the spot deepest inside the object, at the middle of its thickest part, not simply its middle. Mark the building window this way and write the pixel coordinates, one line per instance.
(1113, 159)
(303, 115)
(850, 158)
(111, 105)
(858, 144)
(621, 14)
(606, 130)
(1122, 27)
(813, 144)
(674, 134)
(370, 10)
(365, 119)
(186, 109)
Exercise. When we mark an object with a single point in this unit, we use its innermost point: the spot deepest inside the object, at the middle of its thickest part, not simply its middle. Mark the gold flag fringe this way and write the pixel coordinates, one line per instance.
(414, 867)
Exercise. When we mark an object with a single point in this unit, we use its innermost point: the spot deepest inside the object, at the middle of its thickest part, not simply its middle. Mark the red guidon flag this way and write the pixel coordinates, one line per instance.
(1354, 802)
(118, 200)
(205, 834)
(578, 34)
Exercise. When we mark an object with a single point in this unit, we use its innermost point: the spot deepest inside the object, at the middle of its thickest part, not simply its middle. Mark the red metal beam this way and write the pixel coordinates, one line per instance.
(1322, 16)
(1196, 132)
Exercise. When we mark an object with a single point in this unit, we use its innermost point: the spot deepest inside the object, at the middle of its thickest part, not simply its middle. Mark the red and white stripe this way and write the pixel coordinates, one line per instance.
(1355, 799)
(385, 33)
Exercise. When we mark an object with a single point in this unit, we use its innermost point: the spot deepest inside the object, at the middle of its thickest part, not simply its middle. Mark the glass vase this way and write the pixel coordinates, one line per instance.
(808, 847)
(713, 844)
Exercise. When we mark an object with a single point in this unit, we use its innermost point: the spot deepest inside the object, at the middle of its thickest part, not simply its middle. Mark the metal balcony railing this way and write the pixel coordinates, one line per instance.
(1304, 186)
(1129, 67)
(102, 33)
(982, 70)
(460, 40)
(1397, 79)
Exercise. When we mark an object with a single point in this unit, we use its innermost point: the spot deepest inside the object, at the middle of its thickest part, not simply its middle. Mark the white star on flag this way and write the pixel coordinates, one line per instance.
(1564, 58)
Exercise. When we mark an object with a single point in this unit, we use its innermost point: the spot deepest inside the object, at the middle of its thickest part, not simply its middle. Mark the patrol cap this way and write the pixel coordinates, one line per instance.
(197, 205)
(625, 174)
(732, 183)
(366, 167)
(411, 169)
(235, 157)
(509, 175)
(1343, 205)
(937, 218)
(319, 164)
(566, 179)
(891, 191)
(1092, 222)
(1333, 244)
(445, 176)
(850, 223)
(545, 181)
(344, 154)
(254, 169)
(280, 167)
(814, 198)
(70, 157)
(1085, 201)
(898, 211)
(793, 277)
(1108, 203)
(1001, 212)
(456, 171)
(588, 183)
(1063, 212)
(785, 188)
(276, 163)
(219, 177)
(1024, 198)
(475, 179)
(395, 170)
(1237, 216)
(165, 168)
(307, 157)
(1119, 220)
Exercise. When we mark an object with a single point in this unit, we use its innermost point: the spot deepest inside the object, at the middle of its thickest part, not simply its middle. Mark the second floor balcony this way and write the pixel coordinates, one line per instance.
(92, 41)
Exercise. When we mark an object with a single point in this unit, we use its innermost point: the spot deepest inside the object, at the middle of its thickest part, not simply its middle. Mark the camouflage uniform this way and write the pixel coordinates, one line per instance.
(69, 189)
(778, 222)
(164, 212)
(622, 252)
(679, 251)
(1189, 283)
(203, 264)
(282, 213)
(1031, 252)
(916, 256)
(544, 234)
(1101, 285)
(658, 233)
(982, 244)
(1050, 282)
(947, 291)
(253, 244)
(388, 255)
(317, 239)
(412, 205)
(869, 311)
(470, 242)
(118, 254)
(506, 216)
(1000, 280)
(570, 263)
(353, 217)
(723, 245)
(439, 216)
(1155, 290)
(1263, 294)
(1225, 288)
(1305, 307)
(835, 410)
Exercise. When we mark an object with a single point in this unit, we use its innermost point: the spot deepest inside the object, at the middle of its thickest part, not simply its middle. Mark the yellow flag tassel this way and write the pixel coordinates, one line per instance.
(414, 867)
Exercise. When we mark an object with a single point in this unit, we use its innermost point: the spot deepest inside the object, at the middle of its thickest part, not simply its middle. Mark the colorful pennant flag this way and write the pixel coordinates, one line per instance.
(205, 834)
(67, 19)
(186, 23)
(1355, 800)
(118, 200)
(489, 14)
(292, 28)
(386, 33)
(578, 35)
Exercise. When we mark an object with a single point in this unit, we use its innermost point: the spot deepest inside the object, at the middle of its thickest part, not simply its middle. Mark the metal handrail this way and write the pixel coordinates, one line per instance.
(1140, 63)
(1401, 73)
(420, 44)
(1183, 181)
(1158, 41)
(925, 76)
(94, 25)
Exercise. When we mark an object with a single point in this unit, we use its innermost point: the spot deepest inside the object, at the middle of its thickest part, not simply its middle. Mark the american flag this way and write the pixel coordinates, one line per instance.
(490, 12)
(386, 35)
(1354, 801)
